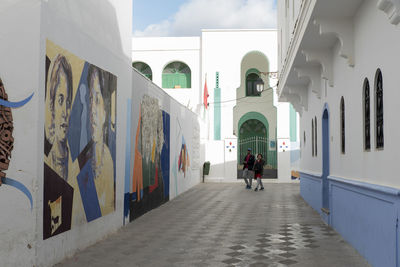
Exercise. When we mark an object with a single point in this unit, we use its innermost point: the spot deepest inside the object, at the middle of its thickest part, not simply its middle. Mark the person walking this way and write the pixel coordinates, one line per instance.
(258, 171)
(248, 163)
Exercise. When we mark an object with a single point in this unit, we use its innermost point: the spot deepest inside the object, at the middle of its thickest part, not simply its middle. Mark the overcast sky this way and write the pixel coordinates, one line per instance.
(188, 17)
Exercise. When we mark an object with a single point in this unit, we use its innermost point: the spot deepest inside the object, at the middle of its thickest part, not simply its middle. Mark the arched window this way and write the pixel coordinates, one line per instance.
(342, 126)
(252, 79)
(367, 118)
(177, 75)
(144, 69)
(312, 136)
(379, 109)
(315, 136)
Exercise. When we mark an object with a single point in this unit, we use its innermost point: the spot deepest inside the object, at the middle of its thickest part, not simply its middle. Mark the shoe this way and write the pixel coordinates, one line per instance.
(248, 187)
(256, 189)
(262, 188)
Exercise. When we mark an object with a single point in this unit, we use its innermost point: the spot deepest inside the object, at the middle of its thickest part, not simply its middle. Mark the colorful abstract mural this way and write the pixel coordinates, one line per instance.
(183, 160)
(150, 179)
(80, 141)
(7, 140)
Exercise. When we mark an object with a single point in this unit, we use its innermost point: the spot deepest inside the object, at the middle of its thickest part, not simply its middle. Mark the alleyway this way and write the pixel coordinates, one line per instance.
(225, 225)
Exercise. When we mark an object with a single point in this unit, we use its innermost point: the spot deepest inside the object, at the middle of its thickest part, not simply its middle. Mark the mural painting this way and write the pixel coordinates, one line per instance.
(183, 161)
(150, 181)
(7, 140)
(79, 145)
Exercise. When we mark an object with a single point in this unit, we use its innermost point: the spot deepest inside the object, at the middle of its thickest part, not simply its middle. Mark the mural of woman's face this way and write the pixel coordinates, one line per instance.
(97, 113)
(61, 109)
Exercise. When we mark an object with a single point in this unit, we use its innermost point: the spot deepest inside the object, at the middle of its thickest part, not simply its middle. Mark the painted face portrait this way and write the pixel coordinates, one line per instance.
(62, 108)
(97, 113)
(59, 99)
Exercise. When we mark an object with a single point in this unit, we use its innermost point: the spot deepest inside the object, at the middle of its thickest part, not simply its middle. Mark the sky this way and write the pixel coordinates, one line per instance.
(188, 17)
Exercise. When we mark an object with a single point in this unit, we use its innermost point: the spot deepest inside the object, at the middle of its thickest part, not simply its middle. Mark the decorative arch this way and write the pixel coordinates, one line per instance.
(252, 128)
(143, 68)
(250, 73)
(255, 116)
(177, 74)
(256, 53)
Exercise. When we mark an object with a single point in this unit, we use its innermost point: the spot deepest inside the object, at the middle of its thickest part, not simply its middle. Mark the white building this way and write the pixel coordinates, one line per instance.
(338, 66)
(73, 89)
(231, 63)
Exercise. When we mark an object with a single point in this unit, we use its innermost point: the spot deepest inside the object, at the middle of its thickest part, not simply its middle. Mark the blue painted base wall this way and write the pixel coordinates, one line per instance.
(311, 190)
(366, 215)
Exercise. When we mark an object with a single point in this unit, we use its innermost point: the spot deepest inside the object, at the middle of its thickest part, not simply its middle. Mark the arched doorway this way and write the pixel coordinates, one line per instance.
(325, 164)
(253, 128)
(254, 133)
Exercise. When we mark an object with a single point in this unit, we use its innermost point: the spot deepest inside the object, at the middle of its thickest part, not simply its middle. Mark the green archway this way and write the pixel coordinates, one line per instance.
(253, 132)
(254, 116)
(252, 128)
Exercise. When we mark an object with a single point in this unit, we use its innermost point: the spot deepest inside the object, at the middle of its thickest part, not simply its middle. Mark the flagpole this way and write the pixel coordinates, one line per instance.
(206, 107)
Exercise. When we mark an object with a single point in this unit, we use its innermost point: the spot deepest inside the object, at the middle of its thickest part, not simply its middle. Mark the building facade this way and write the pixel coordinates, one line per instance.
(338, 68)
(230, 64)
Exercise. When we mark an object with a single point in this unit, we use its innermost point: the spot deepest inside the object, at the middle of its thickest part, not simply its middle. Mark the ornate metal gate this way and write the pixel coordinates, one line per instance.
(259, 145)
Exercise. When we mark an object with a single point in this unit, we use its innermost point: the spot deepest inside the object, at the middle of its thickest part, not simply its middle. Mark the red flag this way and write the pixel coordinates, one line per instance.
(205, 94)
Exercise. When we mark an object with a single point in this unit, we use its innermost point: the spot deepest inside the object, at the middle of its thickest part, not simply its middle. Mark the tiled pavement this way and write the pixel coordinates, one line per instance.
(225, 225)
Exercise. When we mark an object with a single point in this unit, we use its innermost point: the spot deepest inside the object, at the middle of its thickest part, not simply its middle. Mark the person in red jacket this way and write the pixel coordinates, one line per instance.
(258, 171)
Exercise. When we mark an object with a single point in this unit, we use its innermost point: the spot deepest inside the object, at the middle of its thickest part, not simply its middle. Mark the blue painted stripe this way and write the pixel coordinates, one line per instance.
(128, 146)
(10, 104)
(311, 190)
(134, 196)
(316, 176)
(127, 159)
(366, 218)
(20, 187)
(373, 187)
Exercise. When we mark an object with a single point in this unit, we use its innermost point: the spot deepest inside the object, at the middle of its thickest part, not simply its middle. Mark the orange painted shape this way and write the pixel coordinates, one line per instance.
(137, 179)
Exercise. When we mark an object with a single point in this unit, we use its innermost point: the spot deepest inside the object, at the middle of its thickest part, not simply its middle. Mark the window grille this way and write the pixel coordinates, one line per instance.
(177, 75)
(144, 69)
(251, 84)
(367, 118)
(315, 136)
(379, 108)
(312, 136)
(342, 126)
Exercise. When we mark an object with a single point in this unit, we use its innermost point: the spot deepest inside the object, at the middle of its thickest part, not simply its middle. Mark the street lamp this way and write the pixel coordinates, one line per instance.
(259, 85)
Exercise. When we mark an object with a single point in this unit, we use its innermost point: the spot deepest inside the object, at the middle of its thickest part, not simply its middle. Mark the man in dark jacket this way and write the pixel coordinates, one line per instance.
(248, 163)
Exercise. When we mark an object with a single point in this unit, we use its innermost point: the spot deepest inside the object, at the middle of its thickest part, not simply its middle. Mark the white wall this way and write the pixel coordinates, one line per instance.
(96, 31)
(184, 128)
(223, 51)
(158, 52)
(19, 71)
(265, 103)
(288, 12)
(371, 26)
